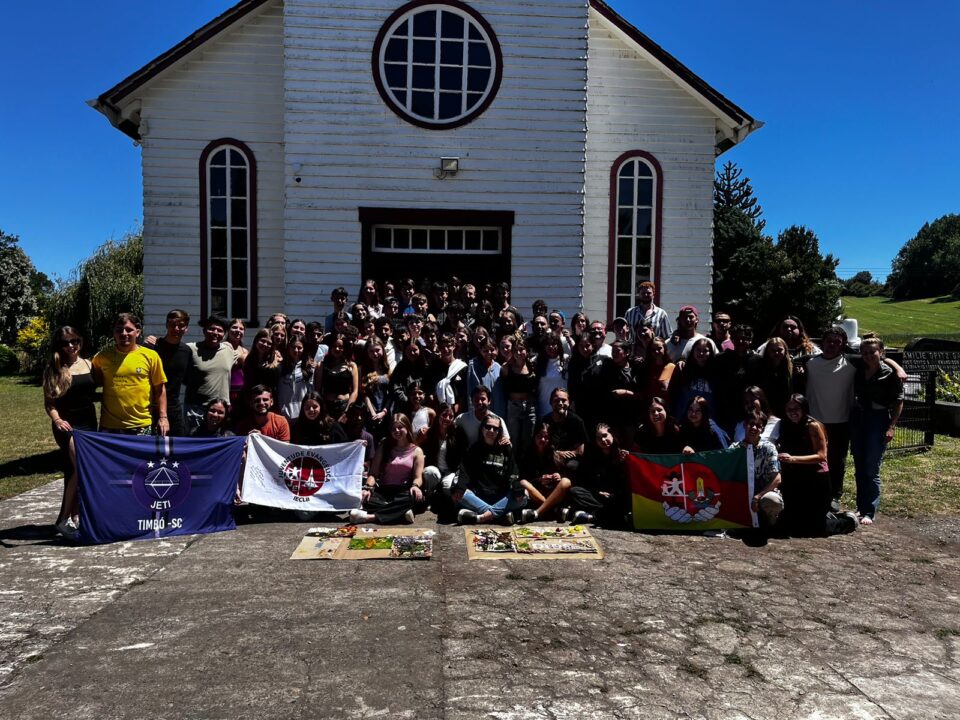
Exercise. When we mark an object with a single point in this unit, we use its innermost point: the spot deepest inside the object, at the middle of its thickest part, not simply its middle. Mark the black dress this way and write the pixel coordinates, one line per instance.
(77, 408)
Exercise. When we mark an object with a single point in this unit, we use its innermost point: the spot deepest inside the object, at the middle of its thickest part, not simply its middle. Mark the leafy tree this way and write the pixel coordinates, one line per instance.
(760, 281)
(928, 265)
(108, 282)
(17, 302)
(861, 285)
(732, 190)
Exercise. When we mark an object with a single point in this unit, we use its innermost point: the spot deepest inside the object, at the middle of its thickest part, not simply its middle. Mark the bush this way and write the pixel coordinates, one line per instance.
(948, 387)
(32, 341)
(9, 364)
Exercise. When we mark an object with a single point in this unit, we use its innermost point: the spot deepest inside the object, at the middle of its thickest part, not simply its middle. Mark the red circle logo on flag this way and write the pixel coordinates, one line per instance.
(304, 474)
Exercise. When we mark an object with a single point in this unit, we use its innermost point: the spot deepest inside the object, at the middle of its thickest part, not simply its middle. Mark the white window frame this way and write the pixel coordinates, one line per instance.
(629, 295)
(446, 229)
(230, 311)
(467, 108)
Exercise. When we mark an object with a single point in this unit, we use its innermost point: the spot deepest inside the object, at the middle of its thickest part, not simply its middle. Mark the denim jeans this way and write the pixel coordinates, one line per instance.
(500, 508)
(868, 429)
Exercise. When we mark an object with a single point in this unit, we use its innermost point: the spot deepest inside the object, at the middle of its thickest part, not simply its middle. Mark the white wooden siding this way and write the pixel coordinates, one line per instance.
(524, 154)
(232, 87)
(632, 105)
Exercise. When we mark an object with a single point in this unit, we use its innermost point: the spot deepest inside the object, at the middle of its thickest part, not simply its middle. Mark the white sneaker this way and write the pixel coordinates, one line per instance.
(359, 516)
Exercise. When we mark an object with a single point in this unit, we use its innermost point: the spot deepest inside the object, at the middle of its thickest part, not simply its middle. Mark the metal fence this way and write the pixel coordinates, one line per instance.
(915, 429)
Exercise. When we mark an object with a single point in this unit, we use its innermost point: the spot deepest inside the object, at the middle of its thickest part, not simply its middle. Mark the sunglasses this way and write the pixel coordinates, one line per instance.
(493, 428)
(74, 341)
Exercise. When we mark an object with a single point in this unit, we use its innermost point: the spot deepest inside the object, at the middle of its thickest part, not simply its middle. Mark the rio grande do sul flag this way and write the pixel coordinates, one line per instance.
(326, 478)
(692, 493)
(135, 488)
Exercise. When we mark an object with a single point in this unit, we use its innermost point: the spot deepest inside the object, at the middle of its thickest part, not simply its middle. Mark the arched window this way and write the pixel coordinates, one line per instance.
(636, 199)
(228, 232)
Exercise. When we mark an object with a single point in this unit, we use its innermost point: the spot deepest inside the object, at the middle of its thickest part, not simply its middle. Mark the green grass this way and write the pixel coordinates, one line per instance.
(898, 322)
(28, 454)
(920, 484)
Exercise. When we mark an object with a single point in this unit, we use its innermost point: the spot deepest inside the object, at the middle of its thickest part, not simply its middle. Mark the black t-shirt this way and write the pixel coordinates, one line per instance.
(566, 434)
(176, 361)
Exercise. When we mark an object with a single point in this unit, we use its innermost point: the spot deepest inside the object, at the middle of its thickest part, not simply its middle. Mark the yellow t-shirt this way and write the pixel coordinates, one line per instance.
(128, 379)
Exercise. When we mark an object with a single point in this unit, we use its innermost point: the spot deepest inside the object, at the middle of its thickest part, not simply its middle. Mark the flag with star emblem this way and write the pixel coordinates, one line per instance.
(136, 488)
(692, 493)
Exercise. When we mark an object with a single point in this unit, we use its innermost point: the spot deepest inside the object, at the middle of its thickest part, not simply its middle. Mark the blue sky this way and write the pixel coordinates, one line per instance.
(860, 101)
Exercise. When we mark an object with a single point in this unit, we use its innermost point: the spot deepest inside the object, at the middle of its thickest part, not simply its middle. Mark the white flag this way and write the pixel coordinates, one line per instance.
(326, 478)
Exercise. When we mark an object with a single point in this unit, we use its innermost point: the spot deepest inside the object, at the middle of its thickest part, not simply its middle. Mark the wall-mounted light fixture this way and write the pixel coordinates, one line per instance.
(449, 167)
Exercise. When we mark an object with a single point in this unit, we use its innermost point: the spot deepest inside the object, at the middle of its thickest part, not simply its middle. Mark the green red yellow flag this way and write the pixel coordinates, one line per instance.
(692, 493)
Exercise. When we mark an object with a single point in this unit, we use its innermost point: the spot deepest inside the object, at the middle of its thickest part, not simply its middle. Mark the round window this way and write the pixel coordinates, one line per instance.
(437, 65)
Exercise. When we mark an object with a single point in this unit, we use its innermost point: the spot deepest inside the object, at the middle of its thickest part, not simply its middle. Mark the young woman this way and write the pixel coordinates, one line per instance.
(215, 424)
(279, 337)
(542, 478)
(520, 383)
(487, 487)
(659, 434)
(298, 328)
(755, 400)
(235, 338)
(805, 477)
(440, 452)
(658, 368)
(879, 402)
(370, 296)
(774, 373)
(296, 378)
(600, 492)
(337, 378)
(792, 332)
(261, 366)
(395, 482)
(358, 315)
(579, 325)
(375, 382)
(698, 431)
(69, 391)
(411, 368)
(421, 416)
(695, 379)
(313, 426)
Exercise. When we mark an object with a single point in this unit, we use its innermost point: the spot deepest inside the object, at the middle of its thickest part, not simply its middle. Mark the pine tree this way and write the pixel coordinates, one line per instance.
(732, 190)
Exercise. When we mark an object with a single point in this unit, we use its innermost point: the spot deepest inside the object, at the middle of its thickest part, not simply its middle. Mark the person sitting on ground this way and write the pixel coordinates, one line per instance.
(806, 484)
(441, 455)
(215, 422)
(546, 486)
(599, 494)
(487, 487)
(767, 501)
(259, 419)
(698, 431)
(395, 483)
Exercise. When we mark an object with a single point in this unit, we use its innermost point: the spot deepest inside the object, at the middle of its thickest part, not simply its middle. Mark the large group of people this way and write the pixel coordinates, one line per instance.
(470, 409)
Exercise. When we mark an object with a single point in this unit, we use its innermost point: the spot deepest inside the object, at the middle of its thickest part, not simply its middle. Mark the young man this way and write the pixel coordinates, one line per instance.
(720, 330)
(468, 423)
(567, 432)
(448, 375)
(645, 313)
(483, 370)
(339, 299)
(261, 420)
(679, 344)
(176, 359)
(767, 502)
(211, 363)
(133, 380)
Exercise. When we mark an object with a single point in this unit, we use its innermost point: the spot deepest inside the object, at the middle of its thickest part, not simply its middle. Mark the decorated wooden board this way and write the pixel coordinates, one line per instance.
(352, 543)
(532, 542)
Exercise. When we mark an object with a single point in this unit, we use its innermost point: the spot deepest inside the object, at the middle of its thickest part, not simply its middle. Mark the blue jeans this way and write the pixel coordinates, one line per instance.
(868, 430)
(500, 508)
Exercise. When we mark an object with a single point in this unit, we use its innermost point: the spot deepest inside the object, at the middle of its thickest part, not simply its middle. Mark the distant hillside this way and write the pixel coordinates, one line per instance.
(897, 322)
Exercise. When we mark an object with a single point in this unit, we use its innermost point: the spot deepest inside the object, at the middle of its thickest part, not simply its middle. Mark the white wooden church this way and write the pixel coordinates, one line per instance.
(291, 146)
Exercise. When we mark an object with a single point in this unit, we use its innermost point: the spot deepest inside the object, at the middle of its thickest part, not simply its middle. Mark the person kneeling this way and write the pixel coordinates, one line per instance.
(398, 465)
(487, 487)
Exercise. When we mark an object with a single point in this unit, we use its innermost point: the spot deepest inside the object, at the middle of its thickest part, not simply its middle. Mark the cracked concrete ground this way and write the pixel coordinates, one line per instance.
(224, 626)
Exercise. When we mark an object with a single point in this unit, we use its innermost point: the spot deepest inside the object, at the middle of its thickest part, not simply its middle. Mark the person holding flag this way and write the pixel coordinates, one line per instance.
(133, 382)
(767, 501)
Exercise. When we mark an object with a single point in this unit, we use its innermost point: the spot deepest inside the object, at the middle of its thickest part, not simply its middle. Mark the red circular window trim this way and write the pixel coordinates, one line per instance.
(402, 112)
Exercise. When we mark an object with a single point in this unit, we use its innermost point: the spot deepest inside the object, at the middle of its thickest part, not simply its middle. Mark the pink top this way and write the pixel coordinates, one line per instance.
(398, 471)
